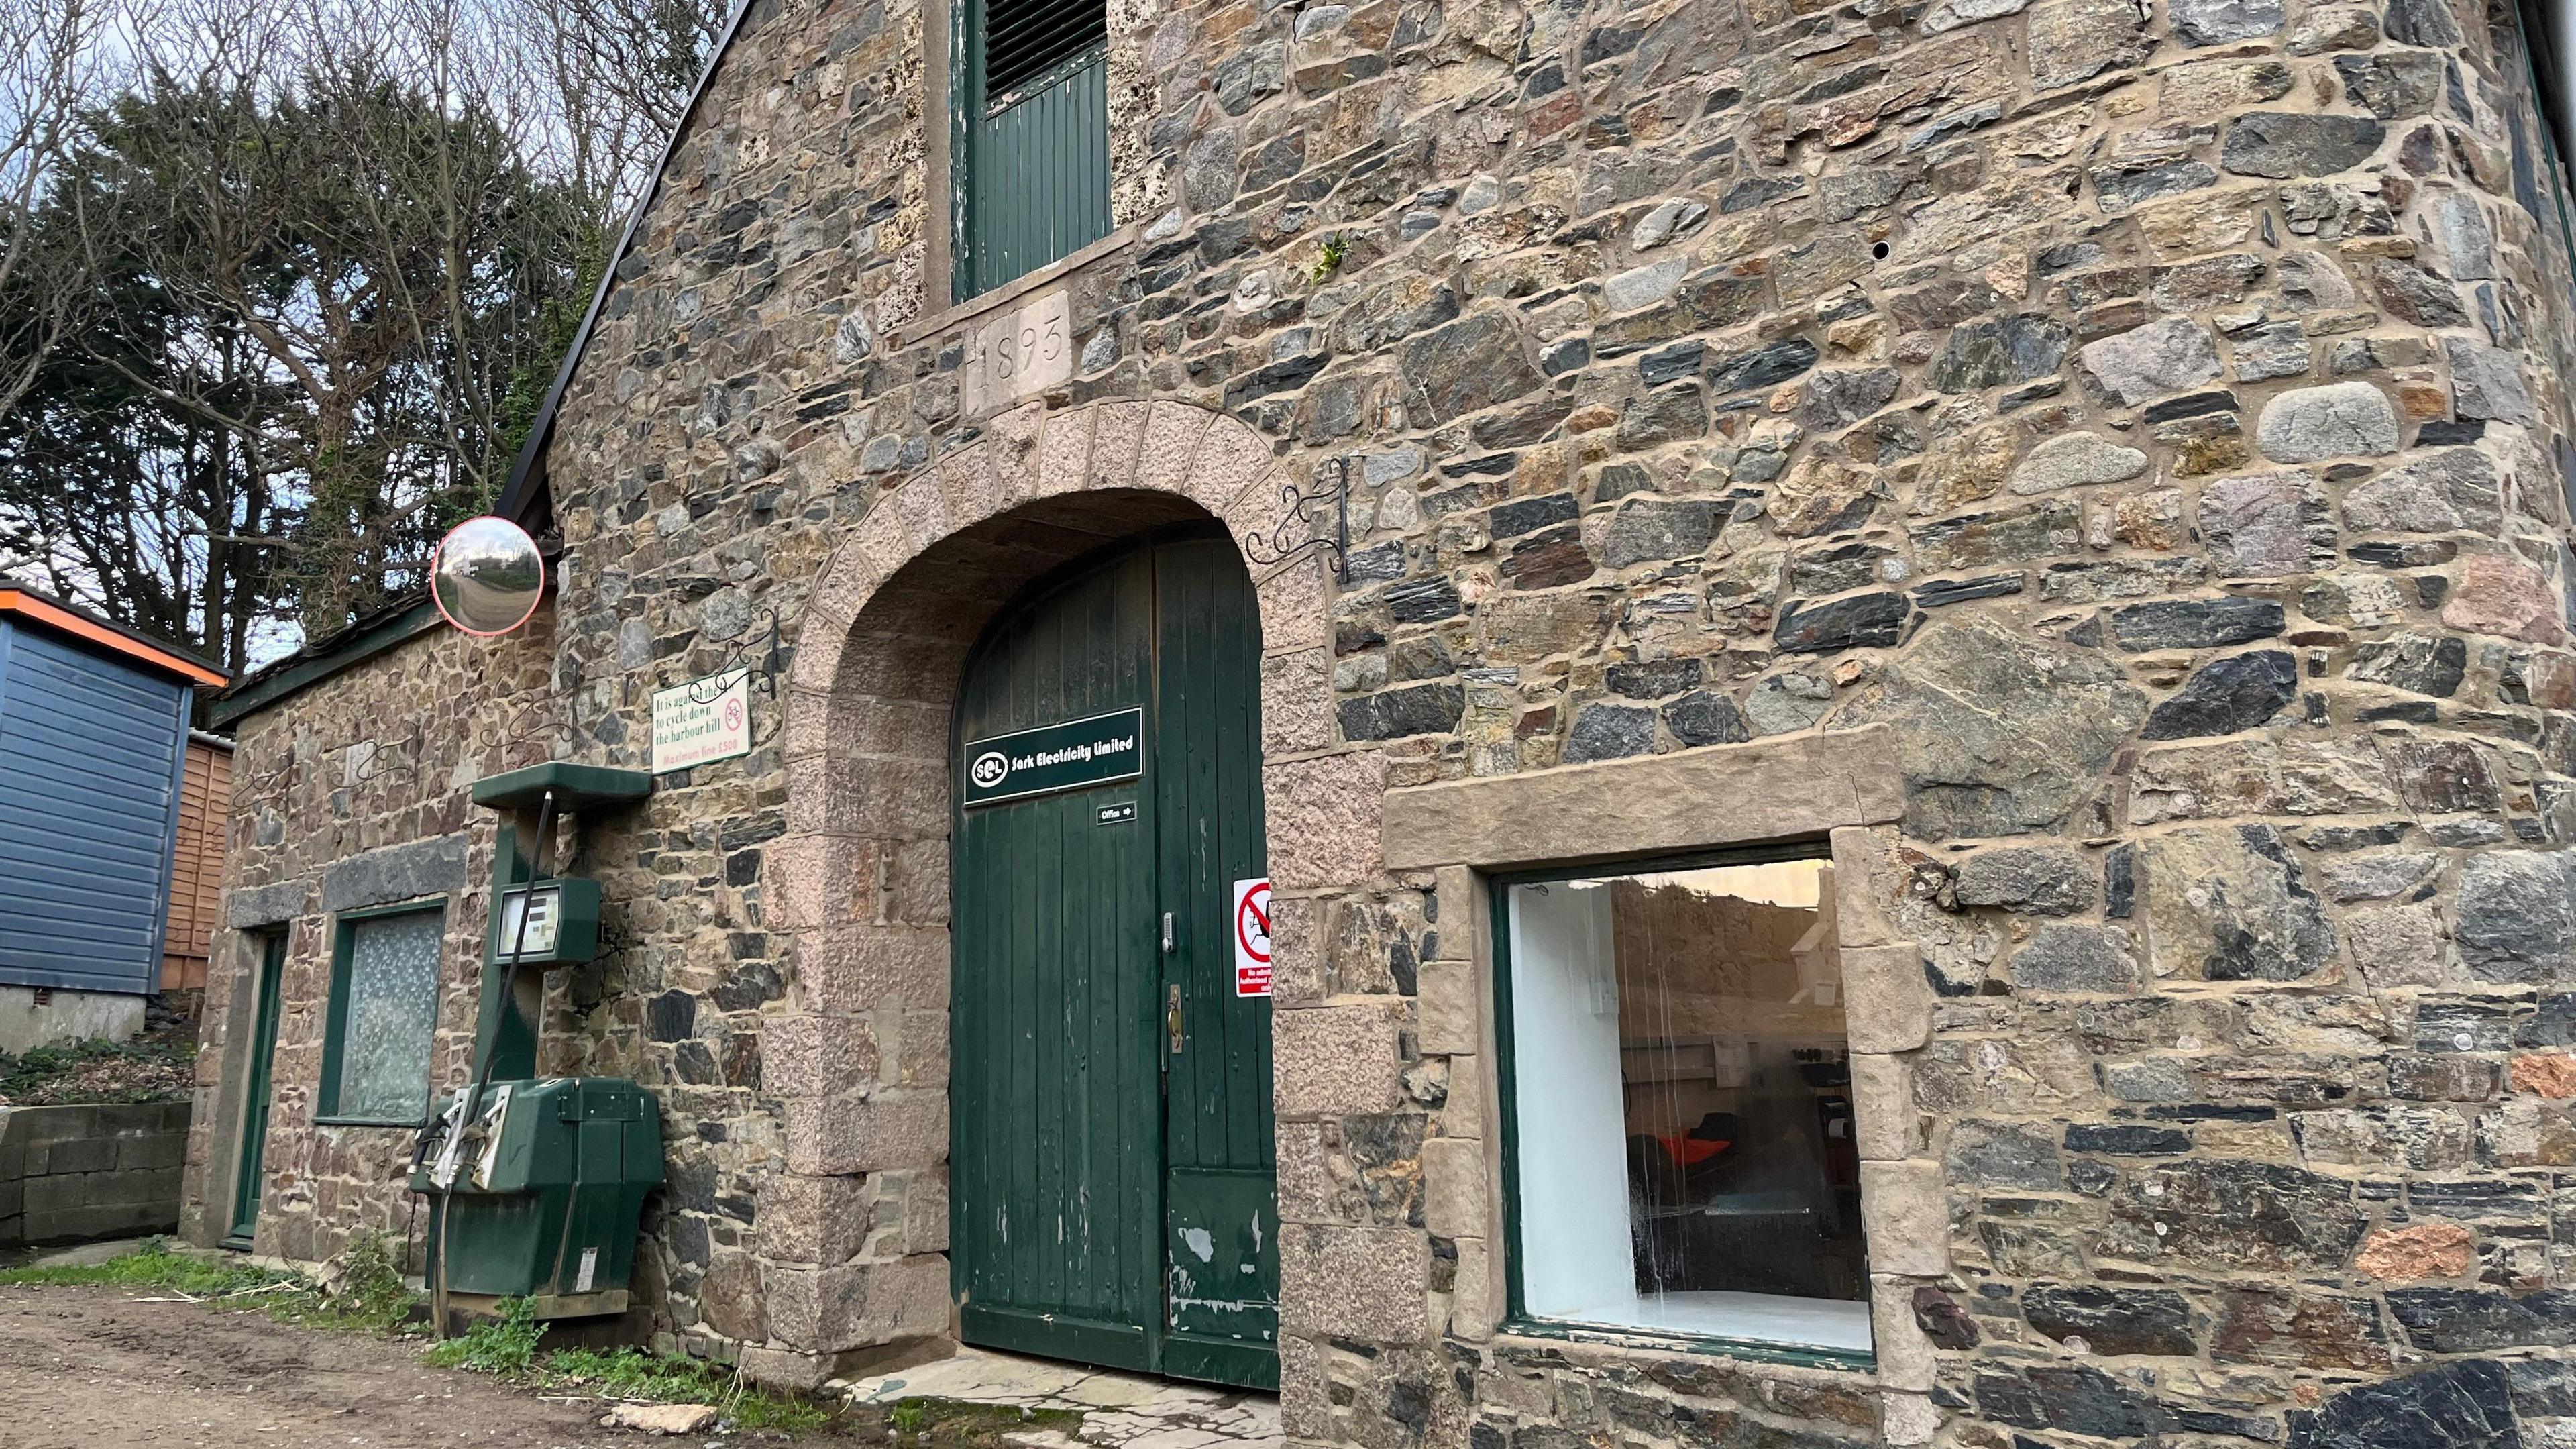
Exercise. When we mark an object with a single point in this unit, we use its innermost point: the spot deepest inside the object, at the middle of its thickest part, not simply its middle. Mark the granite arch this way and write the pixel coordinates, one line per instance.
(853, 1222)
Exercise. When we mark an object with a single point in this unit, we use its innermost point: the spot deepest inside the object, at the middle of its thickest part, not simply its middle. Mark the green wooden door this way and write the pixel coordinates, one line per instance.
(247, 1180)
(1221, 1214)
(1112, 1180)
(1031, 89)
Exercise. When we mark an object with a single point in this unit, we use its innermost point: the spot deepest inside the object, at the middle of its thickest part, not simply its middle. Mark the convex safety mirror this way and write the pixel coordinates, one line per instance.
(487, 576)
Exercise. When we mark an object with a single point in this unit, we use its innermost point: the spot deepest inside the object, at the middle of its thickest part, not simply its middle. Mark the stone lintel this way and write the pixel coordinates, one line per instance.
(252, 906)
(1773, 789)
(396, 873)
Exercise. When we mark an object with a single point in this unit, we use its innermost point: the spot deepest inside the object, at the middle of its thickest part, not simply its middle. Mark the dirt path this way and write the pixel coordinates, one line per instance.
(86, 1367)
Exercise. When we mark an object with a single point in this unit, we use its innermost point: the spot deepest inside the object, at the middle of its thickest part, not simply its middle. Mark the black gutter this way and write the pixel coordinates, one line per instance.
(527, 473)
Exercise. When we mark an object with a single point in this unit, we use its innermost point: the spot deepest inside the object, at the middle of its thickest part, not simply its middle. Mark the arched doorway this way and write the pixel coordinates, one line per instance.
(1112, 1169)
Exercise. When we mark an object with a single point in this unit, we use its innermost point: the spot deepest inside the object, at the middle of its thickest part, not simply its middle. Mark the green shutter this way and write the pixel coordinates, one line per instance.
(1032, 128)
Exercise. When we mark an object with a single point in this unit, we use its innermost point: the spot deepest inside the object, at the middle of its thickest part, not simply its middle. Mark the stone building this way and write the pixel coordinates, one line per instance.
(2072, 496)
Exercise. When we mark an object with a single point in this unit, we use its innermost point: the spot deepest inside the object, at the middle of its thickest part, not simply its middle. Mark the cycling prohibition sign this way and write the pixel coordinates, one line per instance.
(1252, 938)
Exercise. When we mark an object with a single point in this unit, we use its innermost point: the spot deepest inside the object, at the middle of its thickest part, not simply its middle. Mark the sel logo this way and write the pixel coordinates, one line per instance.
(989, 768)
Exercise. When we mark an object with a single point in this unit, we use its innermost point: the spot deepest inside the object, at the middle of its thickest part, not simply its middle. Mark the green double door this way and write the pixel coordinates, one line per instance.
(1113, 1185)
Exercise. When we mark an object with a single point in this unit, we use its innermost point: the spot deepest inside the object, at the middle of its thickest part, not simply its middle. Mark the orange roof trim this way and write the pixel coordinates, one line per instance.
(71, 621)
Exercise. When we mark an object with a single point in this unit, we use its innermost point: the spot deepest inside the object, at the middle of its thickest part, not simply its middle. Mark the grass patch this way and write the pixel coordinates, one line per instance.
(368, 1292)
(631, 1373)
(152, 1266)
(508, 1348)
(506, 1345)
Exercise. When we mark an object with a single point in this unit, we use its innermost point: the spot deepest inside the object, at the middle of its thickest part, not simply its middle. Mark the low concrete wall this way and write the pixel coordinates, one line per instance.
(72, 1174)
(44, 1016)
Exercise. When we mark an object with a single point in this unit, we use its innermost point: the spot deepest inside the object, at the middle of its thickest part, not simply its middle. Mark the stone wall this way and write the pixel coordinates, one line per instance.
(2151, 415)
(354, 796)
(85, 1173)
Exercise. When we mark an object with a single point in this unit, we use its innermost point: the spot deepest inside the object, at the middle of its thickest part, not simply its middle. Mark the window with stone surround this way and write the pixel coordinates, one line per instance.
(384, 1006)
(1680, 1155)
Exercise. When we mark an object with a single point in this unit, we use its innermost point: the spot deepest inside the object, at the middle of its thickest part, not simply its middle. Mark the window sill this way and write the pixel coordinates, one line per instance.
(412, 1124)
(1752, 1350)
(1013, 290)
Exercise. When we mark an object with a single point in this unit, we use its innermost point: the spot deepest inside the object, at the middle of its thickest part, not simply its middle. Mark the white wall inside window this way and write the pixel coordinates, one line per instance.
(1576, 1261)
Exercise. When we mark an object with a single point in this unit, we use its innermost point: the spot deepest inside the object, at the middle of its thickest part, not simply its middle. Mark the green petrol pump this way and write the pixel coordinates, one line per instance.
(537, 1184)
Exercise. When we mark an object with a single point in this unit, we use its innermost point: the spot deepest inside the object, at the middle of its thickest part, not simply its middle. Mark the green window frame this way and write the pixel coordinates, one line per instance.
(336, 1030)
(1517, 1319)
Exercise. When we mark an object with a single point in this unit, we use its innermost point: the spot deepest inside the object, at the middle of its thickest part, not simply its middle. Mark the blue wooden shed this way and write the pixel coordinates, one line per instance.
(93, 740)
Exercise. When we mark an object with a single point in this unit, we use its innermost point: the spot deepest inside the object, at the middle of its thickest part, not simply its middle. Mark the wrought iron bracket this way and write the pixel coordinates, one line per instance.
(1304, 512)
(763, 675)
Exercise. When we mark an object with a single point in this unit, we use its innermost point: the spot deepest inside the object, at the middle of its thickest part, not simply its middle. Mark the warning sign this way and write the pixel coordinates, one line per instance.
(1252, 938)
(702, 721)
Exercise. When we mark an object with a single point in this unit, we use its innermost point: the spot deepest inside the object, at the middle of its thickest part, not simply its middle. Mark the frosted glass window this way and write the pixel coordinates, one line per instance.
(388, 1006)
(1683, 1160)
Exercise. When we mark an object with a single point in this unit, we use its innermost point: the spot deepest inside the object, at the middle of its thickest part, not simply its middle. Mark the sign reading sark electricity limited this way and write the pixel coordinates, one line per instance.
(1066, 756)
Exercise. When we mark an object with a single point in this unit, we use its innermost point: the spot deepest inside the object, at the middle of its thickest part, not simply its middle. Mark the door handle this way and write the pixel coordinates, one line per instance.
(1172, 1016)
(1170, 941)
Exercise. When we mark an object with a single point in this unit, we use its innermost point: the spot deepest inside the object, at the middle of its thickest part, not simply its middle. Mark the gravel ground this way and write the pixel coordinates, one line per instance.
(94, 1366)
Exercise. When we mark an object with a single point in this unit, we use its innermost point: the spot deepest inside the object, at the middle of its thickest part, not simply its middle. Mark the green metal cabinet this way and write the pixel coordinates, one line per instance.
(549, 1211)
(1113, 1182)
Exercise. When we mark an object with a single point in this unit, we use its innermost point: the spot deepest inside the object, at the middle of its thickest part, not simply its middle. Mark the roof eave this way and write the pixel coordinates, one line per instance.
(295, 674)
(126, 643)
(528, 470)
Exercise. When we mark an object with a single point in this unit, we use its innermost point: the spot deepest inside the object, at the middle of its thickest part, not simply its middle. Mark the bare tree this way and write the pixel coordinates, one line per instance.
(50, 60)
(614, 75)
(334, 251)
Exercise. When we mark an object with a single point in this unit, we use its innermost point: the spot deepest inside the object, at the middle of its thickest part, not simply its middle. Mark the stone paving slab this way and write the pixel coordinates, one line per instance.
(1122, 1410)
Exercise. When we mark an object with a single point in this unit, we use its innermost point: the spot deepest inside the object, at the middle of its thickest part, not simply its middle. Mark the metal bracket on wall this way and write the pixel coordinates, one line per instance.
(763, 675)
(373, 765)
(532, 722)
(1304, 512)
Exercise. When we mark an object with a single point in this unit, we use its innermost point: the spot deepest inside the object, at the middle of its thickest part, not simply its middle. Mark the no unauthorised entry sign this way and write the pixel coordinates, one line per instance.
(1252, 938)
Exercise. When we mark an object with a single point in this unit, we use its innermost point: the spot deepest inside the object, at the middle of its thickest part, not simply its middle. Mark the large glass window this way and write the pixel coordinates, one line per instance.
(384, 1005)
(1682, 1156)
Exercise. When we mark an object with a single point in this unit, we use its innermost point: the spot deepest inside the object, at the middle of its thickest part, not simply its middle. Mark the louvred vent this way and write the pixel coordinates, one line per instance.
(1024, 39)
